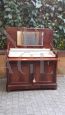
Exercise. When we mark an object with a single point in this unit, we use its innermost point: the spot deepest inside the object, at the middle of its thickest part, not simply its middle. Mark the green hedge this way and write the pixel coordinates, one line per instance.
(35, 13)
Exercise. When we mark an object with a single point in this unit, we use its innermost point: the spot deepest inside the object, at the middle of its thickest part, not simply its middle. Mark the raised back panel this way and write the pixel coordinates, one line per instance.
(47, 37)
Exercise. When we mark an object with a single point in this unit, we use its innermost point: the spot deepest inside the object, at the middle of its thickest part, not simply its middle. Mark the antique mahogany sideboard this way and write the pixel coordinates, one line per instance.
(30, 71)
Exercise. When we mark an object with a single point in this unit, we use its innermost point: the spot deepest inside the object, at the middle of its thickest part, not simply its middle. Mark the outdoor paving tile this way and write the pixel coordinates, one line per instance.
(36, 102)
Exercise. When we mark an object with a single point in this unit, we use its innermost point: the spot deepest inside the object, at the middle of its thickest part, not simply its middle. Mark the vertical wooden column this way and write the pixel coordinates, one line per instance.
(26, 71)
(36, 71)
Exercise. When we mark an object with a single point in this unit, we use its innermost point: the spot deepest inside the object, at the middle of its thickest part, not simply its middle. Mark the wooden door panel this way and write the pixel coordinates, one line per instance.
(18, 72)
(48, 72)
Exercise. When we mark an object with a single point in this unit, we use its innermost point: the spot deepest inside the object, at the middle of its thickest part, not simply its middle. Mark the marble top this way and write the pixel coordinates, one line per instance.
(30, 52)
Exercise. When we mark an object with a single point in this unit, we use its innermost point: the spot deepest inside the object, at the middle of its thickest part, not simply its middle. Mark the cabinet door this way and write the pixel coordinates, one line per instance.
(18, 72)
(45, 71)
(50, 70)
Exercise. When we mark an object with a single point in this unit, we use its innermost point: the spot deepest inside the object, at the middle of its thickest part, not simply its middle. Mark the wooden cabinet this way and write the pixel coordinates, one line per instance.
(42, 76)
(24, 73)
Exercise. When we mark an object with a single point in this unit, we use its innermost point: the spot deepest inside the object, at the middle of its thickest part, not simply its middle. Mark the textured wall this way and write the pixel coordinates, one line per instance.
(61, 66)
(2, 65)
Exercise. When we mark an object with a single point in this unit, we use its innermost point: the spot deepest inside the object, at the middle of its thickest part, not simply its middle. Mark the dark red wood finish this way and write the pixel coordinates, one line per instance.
(19, 75)
(12, 36)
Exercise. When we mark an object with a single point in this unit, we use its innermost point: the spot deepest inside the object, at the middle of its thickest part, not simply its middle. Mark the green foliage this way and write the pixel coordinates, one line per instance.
(35, 13)
(19, 13)
(11, 13)
(2, 39)
(2, 35)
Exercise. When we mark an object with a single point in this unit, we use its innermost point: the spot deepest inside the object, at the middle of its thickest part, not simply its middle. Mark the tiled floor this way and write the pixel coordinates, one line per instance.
(39, 102)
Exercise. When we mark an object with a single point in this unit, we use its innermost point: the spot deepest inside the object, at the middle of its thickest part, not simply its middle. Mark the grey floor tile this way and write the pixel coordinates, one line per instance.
(40, 102)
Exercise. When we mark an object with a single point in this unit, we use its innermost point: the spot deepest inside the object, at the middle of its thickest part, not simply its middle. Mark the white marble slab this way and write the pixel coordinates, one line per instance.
(30, 52)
